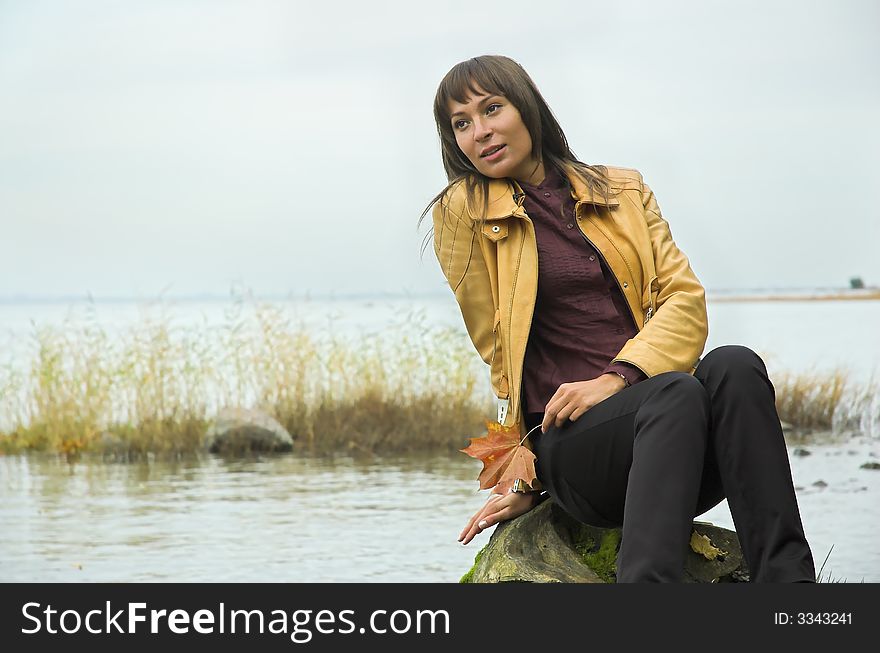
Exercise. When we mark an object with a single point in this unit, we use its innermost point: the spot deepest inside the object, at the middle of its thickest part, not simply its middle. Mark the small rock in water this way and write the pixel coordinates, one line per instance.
(801, 452)
(870, 465)
(820, 483)
(238, 430)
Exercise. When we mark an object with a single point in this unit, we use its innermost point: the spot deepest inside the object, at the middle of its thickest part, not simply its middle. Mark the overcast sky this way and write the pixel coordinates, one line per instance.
(187, 146)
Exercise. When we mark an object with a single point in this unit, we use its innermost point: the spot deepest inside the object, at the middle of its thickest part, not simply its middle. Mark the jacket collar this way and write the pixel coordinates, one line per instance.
(506, 197)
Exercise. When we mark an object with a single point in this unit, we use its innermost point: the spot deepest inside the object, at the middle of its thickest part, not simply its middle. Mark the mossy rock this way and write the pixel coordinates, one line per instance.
(547, 545)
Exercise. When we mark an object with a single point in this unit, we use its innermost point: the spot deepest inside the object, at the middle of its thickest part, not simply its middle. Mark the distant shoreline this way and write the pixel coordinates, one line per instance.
(847, 295)
(727, 295)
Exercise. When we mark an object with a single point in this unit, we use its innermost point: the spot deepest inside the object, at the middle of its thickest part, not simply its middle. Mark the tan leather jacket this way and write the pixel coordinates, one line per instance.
(492, 267)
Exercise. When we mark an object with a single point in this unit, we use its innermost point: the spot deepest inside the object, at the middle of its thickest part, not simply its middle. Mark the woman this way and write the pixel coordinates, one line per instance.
(592, 322)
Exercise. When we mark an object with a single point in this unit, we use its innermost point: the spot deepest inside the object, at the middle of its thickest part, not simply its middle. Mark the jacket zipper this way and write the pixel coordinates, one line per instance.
(651, 309)
(604, 260)
(617, 281)
(495, 324)
(519, 198)
(516, 406)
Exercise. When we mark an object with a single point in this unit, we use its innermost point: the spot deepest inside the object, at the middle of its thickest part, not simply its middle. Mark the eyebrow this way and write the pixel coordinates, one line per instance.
(485, 97)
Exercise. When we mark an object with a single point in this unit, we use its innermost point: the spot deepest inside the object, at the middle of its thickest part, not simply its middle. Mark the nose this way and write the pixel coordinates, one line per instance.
(482, 130)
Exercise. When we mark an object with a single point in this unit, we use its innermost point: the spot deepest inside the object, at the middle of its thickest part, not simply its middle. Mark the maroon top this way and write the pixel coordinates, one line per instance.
(581, 319)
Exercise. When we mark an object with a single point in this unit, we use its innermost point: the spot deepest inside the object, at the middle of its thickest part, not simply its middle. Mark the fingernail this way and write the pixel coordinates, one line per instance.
(482, 524)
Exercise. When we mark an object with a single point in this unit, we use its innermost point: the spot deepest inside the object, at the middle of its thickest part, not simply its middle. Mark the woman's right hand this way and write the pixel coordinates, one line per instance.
(498, 508)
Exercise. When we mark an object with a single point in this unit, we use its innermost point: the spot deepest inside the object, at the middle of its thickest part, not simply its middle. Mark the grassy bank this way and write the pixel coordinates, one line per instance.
(154, 386)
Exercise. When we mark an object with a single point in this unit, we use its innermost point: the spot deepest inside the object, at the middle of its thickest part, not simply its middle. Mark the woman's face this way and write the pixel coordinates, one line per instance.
(491, 134)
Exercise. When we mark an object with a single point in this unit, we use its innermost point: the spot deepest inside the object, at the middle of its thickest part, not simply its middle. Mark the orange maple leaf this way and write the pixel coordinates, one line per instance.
(504, 457)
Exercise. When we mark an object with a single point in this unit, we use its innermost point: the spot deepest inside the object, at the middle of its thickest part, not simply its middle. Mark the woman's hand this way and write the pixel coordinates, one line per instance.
(572, 400)
(499, 507)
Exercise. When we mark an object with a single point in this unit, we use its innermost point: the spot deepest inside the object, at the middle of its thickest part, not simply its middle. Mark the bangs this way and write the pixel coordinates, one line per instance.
(463, 81)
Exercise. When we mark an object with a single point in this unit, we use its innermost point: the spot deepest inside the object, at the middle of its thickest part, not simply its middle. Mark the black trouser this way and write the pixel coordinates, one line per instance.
(657, 454)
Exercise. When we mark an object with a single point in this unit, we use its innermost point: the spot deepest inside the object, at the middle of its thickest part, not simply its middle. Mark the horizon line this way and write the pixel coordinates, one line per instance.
(308, 295)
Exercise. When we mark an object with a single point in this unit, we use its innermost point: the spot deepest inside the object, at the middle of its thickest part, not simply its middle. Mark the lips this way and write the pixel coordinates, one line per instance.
(491, 150)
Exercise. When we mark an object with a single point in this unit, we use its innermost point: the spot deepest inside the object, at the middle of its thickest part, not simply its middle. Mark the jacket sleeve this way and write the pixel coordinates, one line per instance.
(675, 335)
(457, 246)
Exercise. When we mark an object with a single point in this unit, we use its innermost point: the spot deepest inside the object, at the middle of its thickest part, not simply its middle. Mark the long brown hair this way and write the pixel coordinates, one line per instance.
(503, 76)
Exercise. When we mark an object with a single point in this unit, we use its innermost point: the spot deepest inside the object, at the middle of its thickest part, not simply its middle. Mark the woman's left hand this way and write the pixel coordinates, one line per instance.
(498, 508)
(572, 400)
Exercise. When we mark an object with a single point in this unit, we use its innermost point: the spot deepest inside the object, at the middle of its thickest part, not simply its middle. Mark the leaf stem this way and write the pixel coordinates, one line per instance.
(527, 434)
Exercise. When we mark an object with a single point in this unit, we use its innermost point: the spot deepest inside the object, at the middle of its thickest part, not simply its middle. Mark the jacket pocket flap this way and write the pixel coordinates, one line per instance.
(495, 231)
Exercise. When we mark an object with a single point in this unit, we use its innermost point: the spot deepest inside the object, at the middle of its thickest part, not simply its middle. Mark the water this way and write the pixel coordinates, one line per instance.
(800, 336)
(281, 518)
(289, 518)
(295, 519)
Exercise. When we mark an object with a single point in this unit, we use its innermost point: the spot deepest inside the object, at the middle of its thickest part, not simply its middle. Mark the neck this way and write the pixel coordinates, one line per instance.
(536, 176)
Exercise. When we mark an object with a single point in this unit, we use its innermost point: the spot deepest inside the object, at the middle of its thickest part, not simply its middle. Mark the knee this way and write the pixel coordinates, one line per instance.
(682, 388)
(679, 408)
(735, 359)
(682, 382)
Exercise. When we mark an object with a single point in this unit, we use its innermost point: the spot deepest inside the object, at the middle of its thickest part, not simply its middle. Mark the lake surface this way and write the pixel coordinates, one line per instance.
(281, 518)
(295, 519)
(289, 518)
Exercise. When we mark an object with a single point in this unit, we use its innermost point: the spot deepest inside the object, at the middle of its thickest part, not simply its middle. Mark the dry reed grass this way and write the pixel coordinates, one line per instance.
(153, 387)
(827, 401)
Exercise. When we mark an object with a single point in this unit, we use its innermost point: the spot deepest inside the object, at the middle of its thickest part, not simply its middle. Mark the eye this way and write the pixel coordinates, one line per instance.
(493, 107)
(459, 124)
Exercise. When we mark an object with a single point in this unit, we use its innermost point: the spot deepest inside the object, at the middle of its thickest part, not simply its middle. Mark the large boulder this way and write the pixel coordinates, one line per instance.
(240, 430)
(547, 545)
